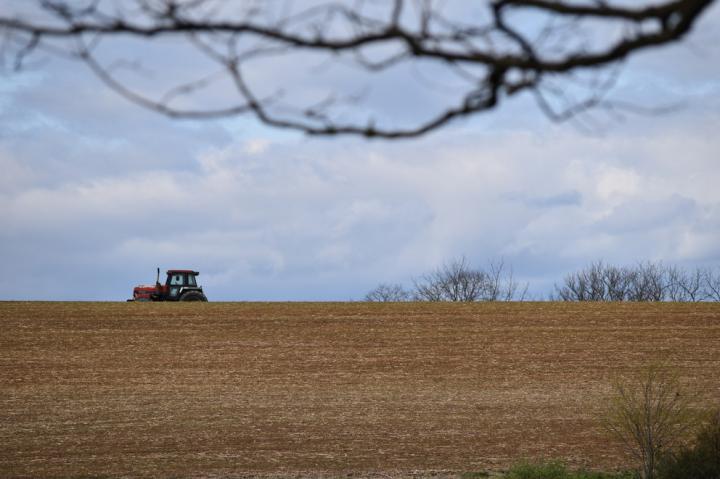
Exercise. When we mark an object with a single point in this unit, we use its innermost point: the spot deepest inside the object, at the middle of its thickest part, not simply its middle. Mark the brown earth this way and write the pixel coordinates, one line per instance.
(327, 389)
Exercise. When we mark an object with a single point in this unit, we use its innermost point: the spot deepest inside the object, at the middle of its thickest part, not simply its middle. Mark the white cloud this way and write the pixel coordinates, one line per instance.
(348, 214)
(256, 146)
(614, 183)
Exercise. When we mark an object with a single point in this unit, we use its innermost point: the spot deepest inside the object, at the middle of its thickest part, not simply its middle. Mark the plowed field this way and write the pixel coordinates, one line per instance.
(234, 389)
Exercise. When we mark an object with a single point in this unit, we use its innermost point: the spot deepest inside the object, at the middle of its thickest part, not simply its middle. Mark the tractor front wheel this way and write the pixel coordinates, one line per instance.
(193, 296)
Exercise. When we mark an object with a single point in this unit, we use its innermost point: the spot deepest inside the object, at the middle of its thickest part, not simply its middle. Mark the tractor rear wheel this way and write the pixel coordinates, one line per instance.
(193, 296)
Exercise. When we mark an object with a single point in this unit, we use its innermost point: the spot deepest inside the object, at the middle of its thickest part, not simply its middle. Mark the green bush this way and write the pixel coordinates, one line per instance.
(556, 470)
(474, 475)
(700, 461)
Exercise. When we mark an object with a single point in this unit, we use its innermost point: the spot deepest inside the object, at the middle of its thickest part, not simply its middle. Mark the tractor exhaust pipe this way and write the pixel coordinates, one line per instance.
(157, 278)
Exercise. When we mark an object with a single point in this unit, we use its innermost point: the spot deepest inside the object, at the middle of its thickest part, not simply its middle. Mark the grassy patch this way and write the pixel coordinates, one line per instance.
(557, 470)
(474, 475)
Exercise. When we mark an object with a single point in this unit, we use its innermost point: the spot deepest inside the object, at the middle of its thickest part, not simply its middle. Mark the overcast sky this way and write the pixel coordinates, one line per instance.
(96, 192)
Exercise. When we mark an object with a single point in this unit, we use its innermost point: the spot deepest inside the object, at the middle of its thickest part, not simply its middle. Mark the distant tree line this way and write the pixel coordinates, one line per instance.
(457, 281)
(646, 281)
(649, 281)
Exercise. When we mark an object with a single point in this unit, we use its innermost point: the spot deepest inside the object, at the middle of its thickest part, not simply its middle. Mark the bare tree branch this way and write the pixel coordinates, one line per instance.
(504, 56)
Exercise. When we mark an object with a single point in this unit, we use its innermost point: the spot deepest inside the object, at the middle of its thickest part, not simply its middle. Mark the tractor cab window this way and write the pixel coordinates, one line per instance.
(191, 280)
(176, 280)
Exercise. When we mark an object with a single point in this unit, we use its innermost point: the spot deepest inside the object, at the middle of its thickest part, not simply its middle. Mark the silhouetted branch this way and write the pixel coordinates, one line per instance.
(497, 55)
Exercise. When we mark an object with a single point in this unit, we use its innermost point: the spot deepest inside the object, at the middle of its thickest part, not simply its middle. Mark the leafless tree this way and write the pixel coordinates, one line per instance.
(597, 282)
(648, 281)
(503, 286)
(711, 281)
(595, 279)
(458, 281)
(454, 281)
(684, 285)
(388, 293)
(574, 288)
(617, 281)
(482, 54)
(649, 416)
(675, 290)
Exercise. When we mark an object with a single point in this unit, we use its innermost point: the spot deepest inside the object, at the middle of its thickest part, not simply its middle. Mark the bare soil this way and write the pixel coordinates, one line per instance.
(327, 389)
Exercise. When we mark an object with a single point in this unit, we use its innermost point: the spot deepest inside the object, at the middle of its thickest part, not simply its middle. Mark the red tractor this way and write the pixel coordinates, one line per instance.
(181, 285)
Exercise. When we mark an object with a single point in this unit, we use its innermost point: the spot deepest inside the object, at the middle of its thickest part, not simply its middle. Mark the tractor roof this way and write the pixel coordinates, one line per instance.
(188, 271)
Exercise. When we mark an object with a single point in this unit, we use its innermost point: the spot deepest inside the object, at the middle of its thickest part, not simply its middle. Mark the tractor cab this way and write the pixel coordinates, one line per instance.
(179, 280)
(180, 285)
